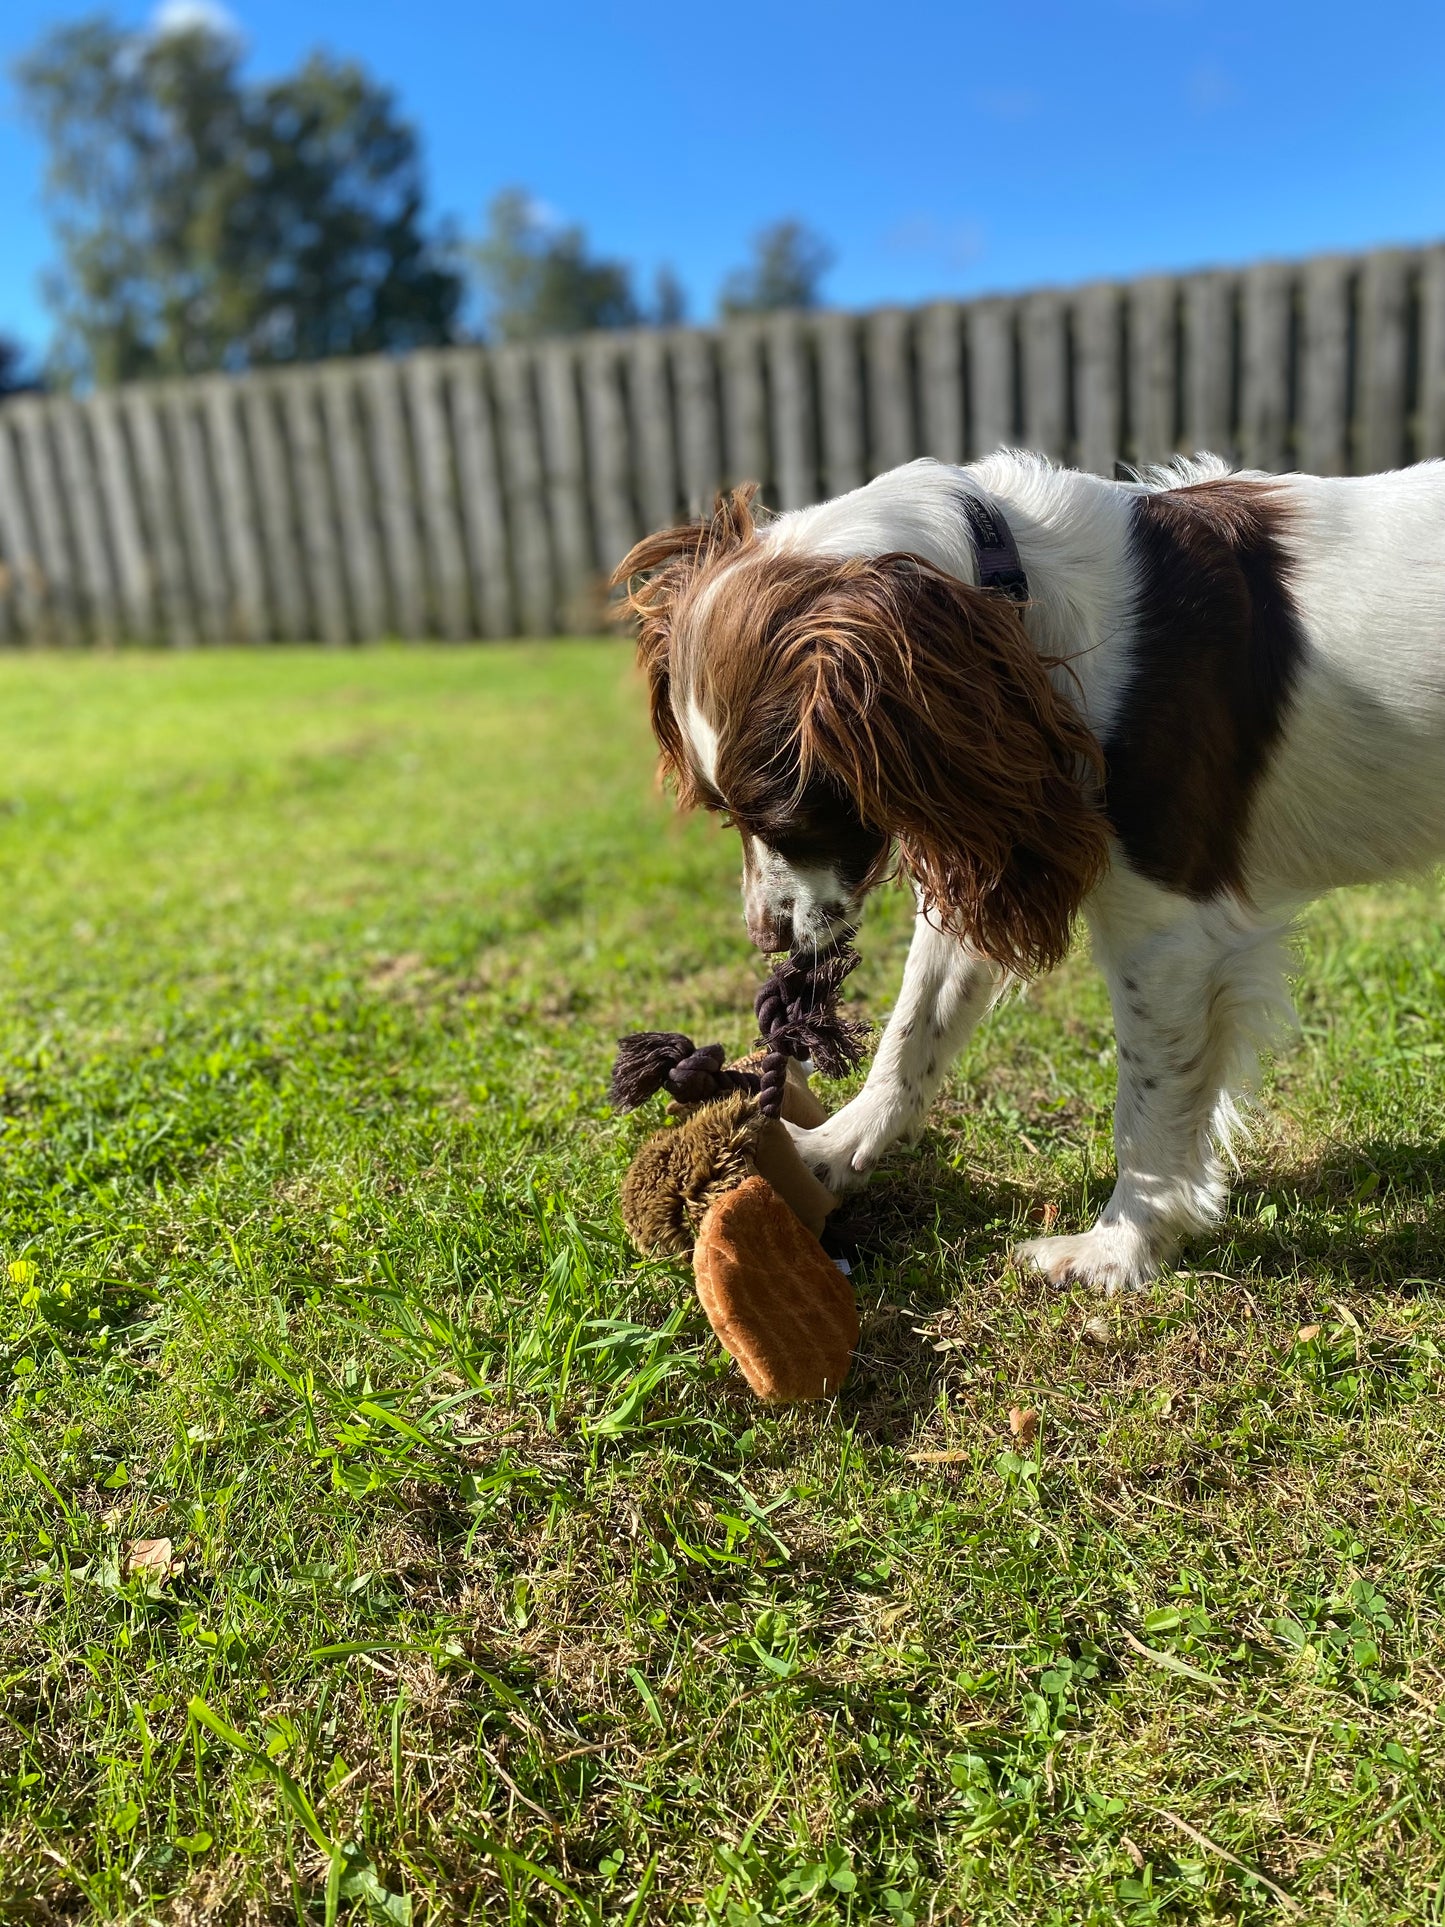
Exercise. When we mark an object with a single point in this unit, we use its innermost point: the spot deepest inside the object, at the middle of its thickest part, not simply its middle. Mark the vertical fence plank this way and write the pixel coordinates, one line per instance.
(162, 517)
(198, 527)
(392, 469)
(1430, 438)
(119, 493)
(698, 428)
(44, 487)
(1209, 301)
(17, 537)
(1324, 401)
(447, 566)
(1045, 345)
(1384, 295)
(890, 390)
(1264, 387)
(566, 467)
(747, 444)
(522, 465)
(360, 554)
(793, 427)
(840, 402)
(1098, 345)
(278, 519)
(298, 393)
(940, 381)
(605, 416)
(236, 505)
(651, 406)
(484, 525)
(1153, 367)
(500, 484)
(78, 471)
(990, 376)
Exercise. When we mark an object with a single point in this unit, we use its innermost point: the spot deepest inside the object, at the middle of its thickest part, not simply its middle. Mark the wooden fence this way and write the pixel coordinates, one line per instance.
(470, 492)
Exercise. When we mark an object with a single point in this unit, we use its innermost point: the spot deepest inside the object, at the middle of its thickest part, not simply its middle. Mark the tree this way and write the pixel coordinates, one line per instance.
(789, 261)
(205, 221)
(538, 278)
(15, 378)
(669, 299)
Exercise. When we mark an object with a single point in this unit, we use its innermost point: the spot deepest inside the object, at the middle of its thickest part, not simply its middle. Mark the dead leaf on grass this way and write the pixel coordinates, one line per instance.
(1023, 1422)
(155, 1558)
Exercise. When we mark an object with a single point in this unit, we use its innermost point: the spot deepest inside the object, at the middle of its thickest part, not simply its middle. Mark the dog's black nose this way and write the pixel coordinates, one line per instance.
(770, 930)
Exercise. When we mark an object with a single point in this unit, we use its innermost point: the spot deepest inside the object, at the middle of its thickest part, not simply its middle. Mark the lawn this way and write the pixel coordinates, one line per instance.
(489, 1595)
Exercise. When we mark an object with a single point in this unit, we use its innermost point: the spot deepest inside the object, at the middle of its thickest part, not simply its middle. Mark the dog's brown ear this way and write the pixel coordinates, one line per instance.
(654, 576)
(927, 699)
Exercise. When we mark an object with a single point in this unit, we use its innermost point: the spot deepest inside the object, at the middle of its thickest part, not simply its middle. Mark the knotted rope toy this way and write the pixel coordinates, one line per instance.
(725, 1179)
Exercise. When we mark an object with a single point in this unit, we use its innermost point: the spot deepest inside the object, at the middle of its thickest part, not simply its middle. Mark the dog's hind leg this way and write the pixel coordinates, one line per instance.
(1197, 990)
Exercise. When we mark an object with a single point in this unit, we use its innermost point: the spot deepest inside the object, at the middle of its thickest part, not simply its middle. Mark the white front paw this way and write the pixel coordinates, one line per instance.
(1111, 1258)
(841, 1152)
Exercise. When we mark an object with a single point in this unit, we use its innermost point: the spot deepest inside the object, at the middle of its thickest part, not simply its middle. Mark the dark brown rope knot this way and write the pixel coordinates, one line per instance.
(658, 1060)
(798, 1017)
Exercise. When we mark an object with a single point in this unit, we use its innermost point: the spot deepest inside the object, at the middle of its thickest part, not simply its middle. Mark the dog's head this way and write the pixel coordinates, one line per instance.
(839, 708)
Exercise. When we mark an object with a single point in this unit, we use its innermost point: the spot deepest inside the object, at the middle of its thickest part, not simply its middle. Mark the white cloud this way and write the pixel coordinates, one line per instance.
(189, 16)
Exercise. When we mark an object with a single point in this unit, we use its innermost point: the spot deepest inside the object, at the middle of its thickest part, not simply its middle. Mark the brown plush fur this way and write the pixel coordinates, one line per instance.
(681, 1171)
(920, 695)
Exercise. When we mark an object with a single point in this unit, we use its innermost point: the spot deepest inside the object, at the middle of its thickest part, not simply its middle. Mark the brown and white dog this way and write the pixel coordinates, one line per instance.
(1219, 696)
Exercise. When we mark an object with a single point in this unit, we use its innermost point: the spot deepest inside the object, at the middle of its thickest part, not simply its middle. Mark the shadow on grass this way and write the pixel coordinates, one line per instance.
(930, 1239)
(933, 1244)
(1363, 1215)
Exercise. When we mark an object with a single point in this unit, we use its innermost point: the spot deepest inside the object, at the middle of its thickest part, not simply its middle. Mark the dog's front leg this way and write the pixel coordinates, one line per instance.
(945, 990)
(1196, 990)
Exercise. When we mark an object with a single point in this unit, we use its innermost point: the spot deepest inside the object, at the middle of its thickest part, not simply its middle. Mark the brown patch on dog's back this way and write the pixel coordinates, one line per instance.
(1217, 647)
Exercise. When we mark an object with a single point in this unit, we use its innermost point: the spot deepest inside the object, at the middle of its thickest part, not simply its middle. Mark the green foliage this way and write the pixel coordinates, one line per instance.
(787, 268)
(476, 1587)
(15, 376)
(206, 221)
(539, 279)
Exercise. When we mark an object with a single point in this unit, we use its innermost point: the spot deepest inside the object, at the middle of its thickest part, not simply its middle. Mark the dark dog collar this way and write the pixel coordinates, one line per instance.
(995, 550)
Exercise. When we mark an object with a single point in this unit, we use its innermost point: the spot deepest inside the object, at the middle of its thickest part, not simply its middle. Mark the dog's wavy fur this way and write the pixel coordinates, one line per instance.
(1225, 695)
(656, 576)
(919, 696)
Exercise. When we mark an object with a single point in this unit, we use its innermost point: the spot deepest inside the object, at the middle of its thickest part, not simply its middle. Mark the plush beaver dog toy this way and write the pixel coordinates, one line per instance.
(725, 1180)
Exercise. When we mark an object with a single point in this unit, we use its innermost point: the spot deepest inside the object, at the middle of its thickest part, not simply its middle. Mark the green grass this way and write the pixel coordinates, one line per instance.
(491, 1594)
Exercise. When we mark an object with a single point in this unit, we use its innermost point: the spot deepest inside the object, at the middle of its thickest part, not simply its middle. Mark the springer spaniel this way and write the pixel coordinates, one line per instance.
(1182, 706)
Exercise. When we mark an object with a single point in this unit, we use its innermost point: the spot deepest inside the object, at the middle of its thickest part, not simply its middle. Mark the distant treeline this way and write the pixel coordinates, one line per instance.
(205, 221)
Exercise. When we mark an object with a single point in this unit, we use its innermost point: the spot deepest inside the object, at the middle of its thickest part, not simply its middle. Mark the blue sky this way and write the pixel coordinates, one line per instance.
(942, 149)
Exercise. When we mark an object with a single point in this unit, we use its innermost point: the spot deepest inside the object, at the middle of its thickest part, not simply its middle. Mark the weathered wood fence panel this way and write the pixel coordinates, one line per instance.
(236, 508)
(472, 492)
(360, 550)
(940, 381)
(1098, 370)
